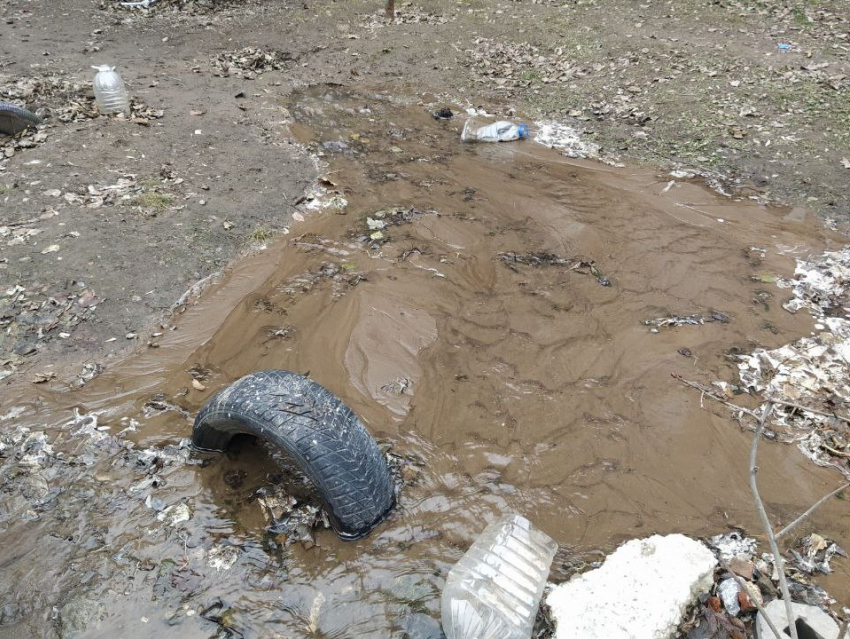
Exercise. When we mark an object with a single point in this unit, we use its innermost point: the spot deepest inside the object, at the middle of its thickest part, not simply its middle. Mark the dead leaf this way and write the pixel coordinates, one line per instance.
(53, 248)
(197, 385)
(845, 162)
(41, 378)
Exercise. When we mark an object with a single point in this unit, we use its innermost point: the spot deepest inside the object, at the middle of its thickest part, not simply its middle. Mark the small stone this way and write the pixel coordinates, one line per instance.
(742, 568)
(746, 603)
(812, 616)
(660, 577)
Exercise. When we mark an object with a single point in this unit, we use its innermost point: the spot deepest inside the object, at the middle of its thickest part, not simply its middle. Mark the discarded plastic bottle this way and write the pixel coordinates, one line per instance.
(494, 591)
(109, 91)
(502, 131)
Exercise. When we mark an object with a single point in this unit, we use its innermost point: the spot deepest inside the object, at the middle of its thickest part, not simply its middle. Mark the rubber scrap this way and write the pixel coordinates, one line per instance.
(14, 119)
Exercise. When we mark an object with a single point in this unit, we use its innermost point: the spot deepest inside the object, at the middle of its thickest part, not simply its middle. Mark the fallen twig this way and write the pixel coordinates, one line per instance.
(780, 402)
(835, 452)
(746, 588)
(771, 538)
(816, 505)
(23, 222)
(708, 392)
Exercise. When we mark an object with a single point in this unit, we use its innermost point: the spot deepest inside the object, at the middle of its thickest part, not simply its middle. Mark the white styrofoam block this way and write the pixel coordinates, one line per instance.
(640, 592)
(814, 617)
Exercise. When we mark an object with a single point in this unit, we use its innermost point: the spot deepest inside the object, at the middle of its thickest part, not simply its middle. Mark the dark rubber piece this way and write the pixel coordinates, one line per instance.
(14, 119)
(323, 435)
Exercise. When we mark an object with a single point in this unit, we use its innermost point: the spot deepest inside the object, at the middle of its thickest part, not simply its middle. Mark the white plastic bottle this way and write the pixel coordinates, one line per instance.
(110, 92)
(502, 131)
(494, 591)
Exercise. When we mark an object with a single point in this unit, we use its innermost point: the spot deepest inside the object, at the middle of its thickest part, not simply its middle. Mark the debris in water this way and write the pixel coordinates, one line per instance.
(222, 557)
(696, 319)
(541, 259)
(811, 373)
(176, 514)
(157, 405)
(565, 140)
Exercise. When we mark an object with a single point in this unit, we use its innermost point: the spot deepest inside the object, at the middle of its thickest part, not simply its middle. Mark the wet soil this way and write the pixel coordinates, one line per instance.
(491, 331)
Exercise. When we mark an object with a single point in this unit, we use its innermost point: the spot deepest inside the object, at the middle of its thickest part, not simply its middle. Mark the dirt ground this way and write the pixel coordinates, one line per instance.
(208, 169)
(483, 308)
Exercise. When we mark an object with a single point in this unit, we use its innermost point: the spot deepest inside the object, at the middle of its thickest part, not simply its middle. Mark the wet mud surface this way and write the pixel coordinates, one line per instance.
(483, 309)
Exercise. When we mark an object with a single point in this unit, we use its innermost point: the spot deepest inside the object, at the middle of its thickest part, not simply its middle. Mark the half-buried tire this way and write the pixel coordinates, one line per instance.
(323, 435)
(14, 119)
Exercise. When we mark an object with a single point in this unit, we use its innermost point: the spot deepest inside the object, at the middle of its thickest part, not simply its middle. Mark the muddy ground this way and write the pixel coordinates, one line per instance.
(512, 280)
(702, 85)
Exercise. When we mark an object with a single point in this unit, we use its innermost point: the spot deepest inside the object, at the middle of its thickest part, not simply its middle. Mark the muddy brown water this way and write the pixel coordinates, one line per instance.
(513, 386)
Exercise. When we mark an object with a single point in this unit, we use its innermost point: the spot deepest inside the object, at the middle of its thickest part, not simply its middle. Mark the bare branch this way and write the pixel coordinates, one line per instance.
(816, 505)
(774, 547)
(746, 588)
(709, 393)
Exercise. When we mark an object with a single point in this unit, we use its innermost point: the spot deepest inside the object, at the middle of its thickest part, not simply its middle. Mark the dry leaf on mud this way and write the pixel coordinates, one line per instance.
(197, 385)
(845, 163)
(41, 378)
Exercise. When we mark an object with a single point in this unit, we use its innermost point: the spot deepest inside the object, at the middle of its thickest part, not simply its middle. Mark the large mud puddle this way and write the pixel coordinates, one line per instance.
(481, 308)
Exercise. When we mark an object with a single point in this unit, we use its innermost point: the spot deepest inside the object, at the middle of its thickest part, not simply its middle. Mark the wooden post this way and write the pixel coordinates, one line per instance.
(390, 9)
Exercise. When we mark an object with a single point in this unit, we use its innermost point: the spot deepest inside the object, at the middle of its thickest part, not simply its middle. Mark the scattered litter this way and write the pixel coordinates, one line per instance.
(143, 4)
(696, 319)
(157, 405)
(41, 378)
(729, 609)
(222, 557)
(61, 99)
(541, 259)
(501, 131)
(110, 93)
(814, 554)
(290, 521)
(564, 139)
(176, 514)
(811, 372)
(30, 319)
(728, 591)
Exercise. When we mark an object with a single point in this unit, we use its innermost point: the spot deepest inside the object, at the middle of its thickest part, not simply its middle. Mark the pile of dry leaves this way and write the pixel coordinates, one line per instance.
(248, 63)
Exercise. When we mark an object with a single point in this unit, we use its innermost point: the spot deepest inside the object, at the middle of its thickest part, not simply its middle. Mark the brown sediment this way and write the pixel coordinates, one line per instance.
(523, 385)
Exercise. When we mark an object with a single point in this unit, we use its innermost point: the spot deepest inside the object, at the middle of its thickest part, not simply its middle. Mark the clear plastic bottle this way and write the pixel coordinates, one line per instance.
(109, 91)
(494, 591)
(502, 131)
